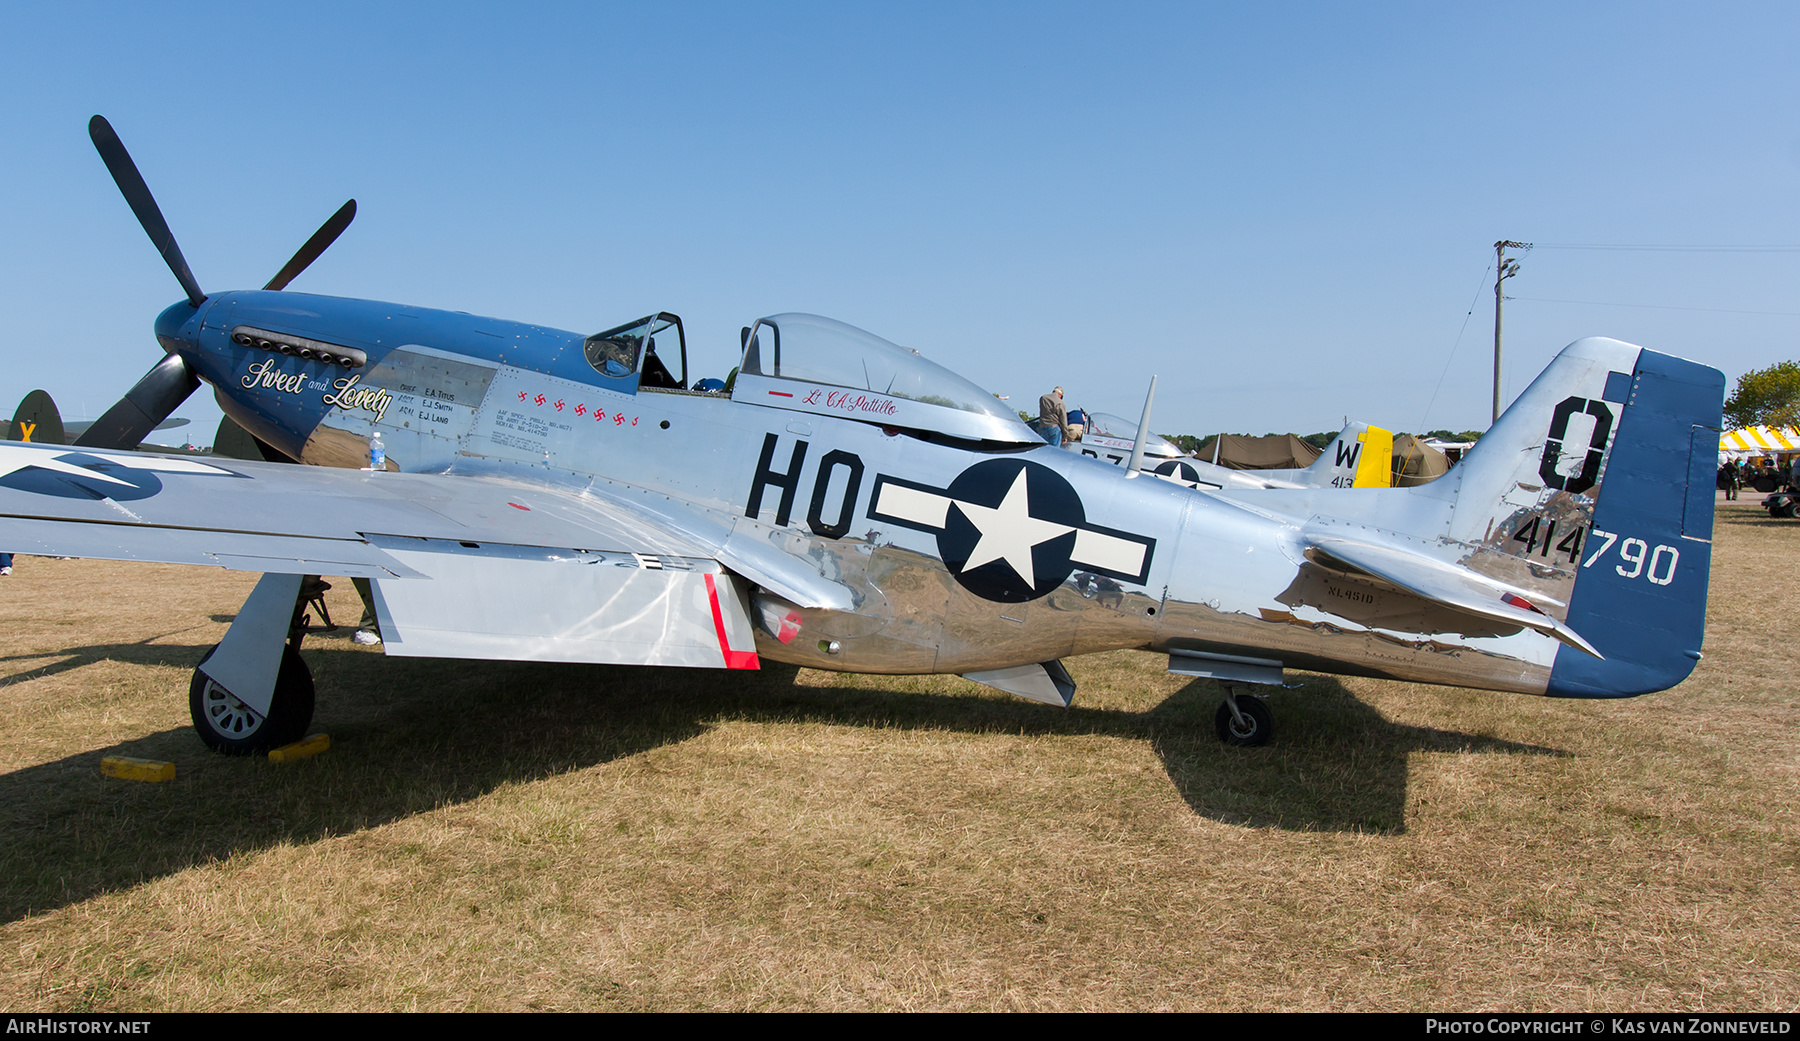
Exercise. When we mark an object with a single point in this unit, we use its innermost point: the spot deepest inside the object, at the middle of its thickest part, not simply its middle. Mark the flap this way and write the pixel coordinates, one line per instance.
(524, 603)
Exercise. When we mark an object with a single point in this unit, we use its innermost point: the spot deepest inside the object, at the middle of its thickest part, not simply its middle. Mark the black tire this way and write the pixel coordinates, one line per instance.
(1256, 712)
(1782, 509)
(230, 727)
(1764, 485)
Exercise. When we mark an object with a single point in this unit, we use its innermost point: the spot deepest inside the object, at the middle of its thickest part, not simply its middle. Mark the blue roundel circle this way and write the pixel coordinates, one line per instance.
(1010, 530)
(1181, 471)
(107, 479)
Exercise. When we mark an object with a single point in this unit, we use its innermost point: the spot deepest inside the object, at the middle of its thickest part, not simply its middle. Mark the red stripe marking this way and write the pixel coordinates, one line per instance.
(733, 659)
(781, 393)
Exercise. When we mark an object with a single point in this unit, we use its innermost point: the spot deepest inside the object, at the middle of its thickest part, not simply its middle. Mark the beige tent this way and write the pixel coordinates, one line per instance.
(1274, 452)
(1416, 462)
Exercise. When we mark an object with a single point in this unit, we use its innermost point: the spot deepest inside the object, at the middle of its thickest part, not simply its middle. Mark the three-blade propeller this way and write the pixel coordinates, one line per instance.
(168, 384)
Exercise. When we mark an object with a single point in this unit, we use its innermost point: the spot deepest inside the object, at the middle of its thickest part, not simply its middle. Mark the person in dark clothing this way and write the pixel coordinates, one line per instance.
(1052, 421)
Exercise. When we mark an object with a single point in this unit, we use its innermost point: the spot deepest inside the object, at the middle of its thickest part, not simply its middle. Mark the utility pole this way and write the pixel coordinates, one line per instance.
(1503, 270)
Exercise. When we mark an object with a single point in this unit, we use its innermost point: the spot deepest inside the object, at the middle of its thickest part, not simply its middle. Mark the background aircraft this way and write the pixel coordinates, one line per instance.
(37, 419)
(849, 505)
(1357, 458)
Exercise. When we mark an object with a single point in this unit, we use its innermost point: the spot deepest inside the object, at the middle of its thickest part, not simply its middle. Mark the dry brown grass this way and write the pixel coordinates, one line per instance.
(499, 836)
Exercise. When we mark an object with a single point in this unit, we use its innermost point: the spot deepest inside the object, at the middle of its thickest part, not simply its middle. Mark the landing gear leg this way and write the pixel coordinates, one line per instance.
(253, 692)
(1244, 719)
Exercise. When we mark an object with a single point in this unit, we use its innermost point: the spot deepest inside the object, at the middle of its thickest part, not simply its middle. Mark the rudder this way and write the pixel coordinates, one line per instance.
(1640, 594)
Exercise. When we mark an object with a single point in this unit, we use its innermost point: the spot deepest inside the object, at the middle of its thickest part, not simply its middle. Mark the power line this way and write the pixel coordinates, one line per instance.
(1656, 307)
(1668, 248)
(1479, 286)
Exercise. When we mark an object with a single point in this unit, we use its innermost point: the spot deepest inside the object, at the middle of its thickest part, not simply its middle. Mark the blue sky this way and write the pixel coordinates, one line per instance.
(1285, 211)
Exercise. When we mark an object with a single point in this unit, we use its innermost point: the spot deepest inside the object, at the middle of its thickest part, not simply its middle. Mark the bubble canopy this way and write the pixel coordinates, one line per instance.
(812, 364)
(1105, 424)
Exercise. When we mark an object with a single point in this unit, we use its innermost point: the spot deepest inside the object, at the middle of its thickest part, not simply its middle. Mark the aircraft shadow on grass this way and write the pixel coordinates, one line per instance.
(447, 731)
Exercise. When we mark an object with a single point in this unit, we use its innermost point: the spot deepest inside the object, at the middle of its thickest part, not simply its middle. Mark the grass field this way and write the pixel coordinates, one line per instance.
(503, 836)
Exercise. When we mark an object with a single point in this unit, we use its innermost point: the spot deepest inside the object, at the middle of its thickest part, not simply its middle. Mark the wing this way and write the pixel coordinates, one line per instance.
(476, 566)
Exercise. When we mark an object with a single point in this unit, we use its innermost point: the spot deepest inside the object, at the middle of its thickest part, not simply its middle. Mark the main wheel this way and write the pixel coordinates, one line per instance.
(1256, 729)
(229, 726)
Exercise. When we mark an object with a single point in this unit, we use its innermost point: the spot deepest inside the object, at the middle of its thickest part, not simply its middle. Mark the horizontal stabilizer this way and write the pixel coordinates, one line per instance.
(1446, 584)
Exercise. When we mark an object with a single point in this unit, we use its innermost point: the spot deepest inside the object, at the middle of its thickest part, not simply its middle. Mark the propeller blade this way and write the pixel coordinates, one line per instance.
(234, 442)
(321, 241)
(137, 196)
(160, 392)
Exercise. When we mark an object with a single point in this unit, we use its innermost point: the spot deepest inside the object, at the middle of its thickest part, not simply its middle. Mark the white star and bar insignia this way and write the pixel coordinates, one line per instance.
(1010, 530)
(81, 462)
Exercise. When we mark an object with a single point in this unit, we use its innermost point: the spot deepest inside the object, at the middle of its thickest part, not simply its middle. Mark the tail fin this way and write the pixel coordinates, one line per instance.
(1360, 457)
(1594, 491)
(37, 421)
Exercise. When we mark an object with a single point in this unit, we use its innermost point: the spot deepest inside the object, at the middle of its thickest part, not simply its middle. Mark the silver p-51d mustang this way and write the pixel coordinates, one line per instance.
(849, 505)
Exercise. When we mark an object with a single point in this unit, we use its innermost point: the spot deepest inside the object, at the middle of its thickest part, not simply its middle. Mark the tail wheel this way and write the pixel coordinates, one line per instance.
(229, 726)
(1256, 727)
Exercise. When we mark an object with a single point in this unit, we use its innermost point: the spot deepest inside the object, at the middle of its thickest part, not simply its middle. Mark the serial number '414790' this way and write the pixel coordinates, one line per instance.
(1637, 556)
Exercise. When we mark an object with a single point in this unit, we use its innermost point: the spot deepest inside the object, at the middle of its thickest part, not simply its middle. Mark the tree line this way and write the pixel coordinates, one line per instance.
(1765, 397)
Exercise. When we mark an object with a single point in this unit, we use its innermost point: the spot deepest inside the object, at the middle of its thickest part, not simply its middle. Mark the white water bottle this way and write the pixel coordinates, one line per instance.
(377, 453)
